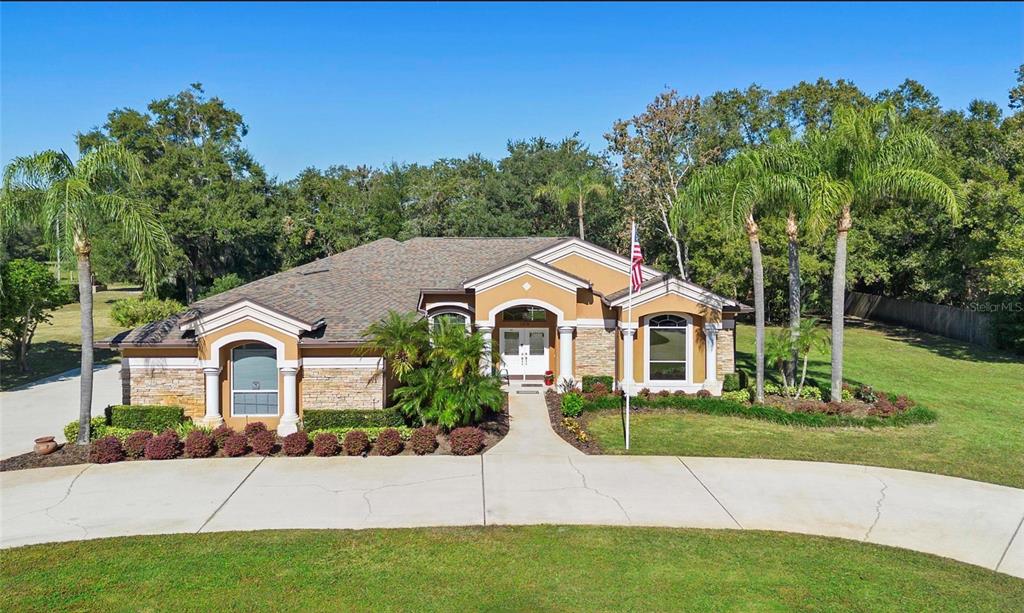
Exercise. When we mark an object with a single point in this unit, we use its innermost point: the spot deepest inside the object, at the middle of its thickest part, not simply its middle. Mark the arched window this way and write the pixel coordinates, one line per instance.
(668, 348)
(524, 313)
(254, 380)
(450, 317)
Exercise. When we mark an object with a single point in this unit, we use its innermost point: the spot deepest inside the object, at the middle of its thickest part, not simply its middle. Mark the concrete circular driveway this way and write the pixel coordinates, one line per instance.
(532, 477)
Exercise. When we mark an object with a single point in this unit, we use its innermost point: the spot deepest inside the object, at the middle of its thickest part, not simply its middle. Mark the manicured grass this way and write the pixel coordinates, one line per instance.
(57, 345)
(977, 394)
(538, 568)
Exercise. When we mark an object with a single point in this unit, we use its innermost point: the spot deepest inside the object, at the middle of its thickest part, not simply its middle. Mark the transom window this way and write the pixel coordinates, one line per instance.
(668, 349)
(254, 380)
(526, 313)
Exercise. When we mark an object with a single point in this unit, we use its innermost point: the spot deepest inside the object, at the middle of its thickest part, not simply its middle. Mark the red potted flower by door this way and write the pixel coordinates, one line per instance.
(549, 377)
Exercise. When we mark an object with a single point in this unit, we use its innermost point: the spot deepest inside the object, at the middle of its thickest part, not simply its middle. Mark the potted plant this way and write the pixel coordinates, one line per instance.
(549, 377)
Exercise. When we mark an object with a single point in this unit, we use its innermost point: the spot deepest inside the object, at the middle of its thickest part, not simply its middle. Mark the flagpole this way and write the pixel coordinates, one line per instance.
(629, 322)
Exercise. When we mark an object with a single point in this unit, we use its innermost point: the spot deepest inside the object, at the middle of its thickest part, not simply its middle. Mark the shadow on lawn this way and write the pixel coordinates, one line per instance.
(46, 360)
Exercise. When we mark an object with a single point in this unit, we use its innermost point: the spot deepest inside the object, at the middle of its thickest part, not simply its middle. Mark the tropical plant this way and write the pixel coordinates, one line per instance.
(754, 182)
(448, 389)
(864, 159)
(30, 291)
(576, 191)
(69, 200)
(810, 337)
(401, 339)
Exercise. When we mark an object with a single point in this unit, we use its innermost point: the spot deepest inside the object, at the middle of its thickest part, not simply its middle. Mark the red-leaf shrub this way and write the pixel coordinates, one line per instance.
(106, 450)
(356, 442)
(903, 403)
(253, 427)
(199, 444)
(325, 445)
(389, 442)
(163, 447)
(882, 407)
(263, 442)
(235, 445)
(466, 441)
(703, 394)
(135, 444)
(680, 393)
(599, 389)
(221, 433)
(663, 394)
(296, 444)
(423, 440)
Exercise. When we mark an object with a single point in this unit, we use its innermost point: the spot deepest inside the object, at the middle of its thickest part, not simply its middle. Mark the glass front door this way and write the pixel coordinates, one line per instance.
(524, 351)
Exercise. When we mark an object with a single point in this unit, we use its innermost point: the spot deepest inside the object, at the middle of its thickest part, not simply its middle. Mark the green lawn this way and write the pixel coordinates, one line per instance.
(978, 395)
(57, 345)
(538, 568)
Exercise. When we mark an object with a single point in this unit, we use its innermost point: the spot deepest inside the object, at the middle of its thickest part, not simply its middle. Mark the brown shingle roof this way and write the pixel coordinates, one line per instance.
(357, 287)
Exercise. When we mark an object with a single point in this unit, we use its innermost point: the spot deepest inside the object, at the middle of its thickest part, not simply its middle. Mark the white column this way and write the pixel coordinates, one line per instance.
(485, 359)
(711, 354)
(565, 353)
(290, 420)
(627, 358)
(212, 418)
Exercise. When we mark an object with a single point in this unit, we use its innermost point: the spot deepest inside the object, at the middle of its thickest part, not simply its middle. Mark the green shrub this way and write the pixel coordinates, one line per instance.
(589, 381)
(71, 430)
(808, 393)
(723, 406)
(737, 396)
(222, 284)
(155, 418)
(731, 382)
(323, 419)
(371, 433)
(572, 404)
(133, 312)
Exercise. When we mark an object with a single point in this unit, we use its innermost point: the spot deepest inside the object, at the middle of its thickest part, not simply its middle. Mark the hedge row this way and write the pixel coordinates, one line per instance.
(152, 417)
(720, 406)
(372, 433)
(323, 419)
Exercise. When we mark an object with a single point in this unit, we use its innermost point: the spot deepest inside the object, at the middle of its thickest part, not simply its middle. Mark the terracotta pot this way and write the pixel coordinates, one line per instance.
(45, 445)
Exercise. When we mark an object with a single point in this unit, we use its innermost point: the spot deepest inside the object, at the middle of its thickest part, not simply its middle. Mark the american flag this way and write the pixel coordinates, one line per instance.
(636, 272)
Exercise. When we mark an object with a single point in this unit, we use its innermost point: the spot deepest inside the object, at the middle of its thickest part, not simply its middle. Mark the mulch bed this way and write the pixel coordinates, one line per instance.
(853, 408)
(494, 429)
(65, 455)
(554, 404)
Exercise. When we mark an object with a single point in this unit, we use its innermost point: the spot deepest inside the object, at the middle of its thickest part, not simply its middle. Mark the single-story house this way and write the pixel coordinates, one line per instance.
(292, 341)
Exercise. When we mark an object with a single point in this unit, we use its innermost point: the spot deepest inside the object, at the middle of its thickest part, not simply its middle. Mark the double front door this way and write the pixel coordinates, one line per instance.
(524, 351)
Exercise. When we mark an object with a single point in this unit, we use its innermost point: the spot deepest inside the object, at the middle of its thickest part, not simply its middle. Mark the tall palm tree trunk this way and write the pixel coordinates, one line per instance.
(82, 250)
(579, 216)
(839, 303)
(794, 291)
(758, 272)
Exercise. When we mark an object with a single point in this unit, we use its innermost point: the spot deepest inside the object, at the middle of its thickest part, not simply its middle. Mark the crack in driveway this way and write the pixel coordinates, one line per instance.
(596, 491)
(1010, 542)
(878, 507)
(67, 494)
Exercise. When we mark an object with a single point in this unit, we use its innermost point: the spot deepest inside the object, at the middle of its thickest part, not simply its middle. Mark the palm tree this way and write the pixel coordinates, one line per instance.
(866, 157)
(69, 201)
(575, 190)
(753, 182)
(810, 337)
(401, 339)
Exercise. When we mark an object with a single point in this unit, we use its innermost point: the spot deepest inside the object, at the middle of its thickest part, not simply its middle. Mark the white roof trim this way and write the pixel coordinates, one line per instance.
(244, 310)
(679, 287)
(529, 266)
(593, 253)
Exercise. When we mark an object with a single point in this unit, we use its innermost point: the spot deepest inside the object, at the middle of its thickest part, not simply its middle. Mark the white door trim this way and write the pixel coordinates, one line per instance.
(522, 362)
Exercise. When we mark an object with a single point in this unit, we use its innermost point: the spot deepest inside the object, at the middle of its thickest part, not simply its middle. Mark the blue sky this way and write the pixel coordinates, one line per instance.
(323, 84)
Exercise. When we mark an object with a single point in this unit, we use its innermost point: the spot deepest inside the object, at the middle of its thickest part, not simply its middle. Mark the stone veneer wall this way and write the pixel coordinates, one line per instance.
(341, 388)
(726, 340)
(167, 386)
(595, 352)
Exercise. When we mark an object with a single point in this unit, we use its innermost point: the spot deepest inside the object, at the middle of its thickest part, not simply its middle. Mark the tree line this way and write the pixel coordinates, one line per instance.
(224, 215)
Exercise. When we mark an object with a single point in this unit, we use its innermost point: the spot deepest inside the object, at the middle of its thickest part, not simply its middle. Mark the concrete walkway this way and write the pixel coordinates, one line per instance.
(44, 407)
(532, 477)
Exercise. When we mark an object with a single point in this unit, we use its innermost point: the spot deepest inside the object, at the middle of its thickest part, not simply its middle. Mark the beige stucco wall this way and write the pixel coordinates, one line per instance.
(513, 291)
(603, 279)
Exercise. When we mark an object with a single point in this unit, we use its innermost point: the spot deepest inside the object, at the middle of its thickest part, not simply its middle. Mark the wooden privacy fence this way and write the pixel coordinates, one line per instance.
(951, 322)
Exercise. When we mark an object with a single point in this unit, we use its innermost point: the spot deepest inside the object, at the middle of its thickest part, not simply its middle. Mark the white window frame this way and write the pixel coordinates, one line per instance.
(668, 383)
(466, 317)
(233, 391)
